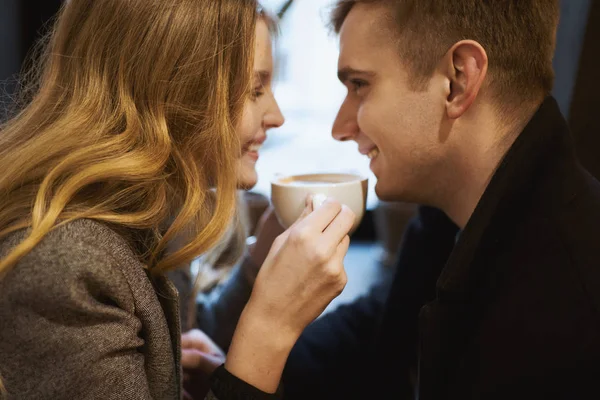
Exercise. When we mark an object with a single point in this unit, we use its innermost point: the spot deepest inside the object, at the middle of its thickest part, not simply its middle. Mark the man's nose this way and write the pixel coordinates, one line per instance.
(345, 126)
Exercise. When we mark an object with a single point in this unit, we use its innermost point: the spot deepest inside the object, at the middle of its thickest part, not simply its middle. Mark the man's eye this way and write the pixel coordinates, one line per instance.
(357, 84)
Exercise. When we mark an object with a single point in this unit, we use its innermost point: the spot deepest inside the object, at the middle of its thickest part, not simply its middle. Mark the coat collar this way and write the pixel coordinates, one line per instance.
(541, 152)
(545, 140)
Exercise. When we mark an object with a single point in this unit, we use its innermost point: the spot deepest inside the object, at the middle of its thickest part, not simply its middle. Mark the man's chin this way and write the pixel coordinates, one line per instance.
(382, 192)
(387, 191)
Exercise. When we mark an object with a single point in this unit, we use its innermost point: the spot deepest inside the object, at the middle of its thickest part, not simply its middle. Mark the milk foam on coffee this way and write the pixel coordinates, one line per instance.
(306, 183)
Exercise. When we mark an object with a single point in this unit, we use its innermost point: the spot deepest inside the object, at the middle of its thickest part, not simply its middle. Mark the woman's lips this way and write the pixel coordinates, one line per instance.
(252, 150)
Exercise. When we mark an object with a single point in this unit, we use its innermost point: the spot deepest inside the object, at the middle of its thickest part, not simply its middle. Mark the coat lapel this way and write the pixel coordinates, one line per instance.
(169, 301)
(467, 282)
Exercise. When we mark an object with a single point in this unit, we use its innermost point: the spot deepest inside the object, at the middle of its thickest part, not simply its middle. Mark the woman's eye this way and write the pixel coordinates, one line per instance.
(257, 92)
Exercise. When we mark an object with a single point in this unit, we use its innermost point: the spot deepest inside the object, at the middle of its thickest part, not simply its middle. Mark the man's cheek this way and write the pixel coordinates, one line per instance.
(367, 121)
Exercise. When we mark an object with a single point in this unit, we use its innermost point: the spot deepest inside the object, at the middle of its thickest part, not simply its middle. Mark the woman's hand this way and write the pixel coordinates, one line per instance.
(302, 273)
(304, 269)
(200, 356)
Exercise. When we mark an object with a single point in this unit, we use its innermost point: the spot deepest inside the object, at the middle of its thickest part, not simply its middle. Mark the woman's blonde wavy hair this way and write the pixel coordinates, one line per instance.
(131, 122)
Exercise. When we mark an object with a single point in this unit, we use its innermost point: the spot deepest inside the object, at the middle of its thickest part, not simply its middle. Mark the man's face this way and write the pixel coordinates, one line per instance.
(398, 128)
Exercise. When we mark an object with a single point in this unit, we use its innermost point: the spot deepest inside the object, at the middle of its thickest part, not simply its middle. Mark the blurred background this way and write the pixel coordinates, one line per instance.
(309, 95)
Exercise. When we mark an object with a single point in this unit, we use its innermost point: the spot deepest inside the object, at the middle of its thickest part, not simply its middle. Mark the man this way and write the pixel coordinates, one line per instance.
(450, 101)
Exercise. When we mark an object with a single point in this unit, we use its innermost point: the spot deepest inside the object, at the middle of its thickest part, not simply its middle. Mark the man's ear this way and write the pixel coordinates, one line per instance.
(467, 65)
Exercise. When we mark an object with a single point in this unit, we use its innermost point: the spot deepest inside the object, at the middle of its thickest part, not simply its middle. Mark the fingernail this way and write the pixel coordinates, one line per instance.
(308, 200)
(318, 200)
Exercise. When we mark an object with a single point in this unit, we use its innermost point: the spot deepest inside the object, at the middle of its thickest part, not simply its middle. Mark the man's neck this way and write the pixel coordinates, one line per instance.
(477, 158)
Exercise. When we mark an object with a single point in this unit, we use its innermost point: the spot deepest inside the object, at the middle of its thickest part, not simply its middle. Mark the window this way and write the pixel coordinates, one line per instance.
(309, 95)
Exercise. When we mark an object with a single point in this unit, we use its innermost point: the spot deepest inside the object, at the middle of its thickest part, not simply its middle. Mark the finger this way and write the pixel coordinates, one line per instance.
(340, 226)
(189, 338)
(318, 200)
(342, 248)
(198, 360)
(196, 339)
(338, 258)
(318, 220)
(190, 358)
(308, 201)
(210, 363)
(307, 210)
(195, 344)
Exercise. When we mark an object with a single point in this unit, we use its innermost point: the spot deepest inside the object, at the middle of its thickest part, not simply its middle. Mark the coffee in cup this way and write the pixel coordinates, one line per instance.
(288, 194)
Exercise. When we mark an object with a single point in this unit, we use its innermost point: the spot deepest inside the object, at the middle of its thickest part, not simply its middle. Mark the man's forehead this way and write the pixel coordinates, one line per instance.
(366, 30)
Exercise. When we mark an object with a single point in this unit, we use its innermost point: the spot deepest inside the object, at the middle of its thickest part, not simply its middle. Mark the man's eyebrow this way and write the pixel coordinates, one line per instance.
(347, 71)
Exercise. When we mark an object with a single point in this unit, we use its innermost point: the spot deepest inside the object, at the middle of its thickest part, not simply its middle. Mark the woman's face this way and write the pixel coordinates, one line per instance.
(261, 111)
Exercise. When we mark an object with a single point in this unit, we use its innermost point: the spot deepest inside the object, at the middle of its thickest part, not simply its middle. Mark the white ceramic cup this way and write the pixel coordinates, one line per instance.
(288, 194)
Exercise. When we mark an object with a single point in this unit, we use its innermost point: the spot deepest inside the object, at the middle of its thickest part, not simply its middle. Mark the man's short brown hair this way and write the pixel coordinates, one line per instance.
(518, 35)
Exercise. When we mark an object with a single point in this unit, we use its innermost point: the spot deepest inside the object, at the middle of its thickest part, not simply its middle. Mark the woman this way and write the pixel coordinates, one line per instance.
(142, 109)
